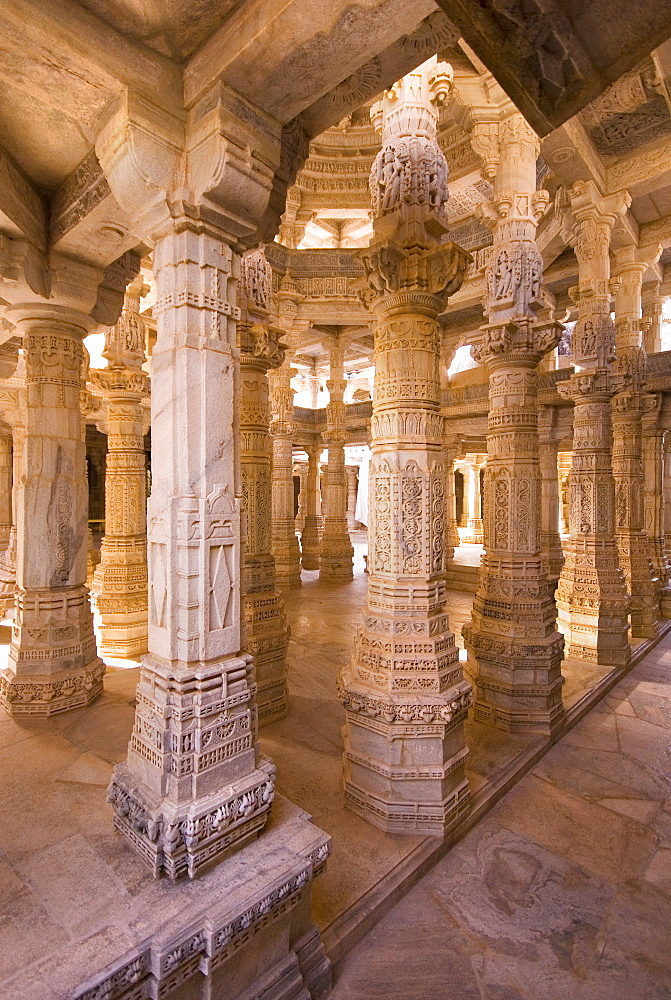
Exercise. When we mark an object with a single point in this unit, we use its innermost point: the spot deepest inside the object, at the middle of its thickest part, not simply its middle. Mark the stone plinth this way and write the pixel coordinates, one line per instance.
(243, 929)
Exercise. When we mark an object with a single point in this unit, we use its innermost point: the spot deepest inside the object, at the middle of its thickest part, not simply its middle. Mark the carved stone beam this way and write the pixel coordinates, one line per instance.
(22, 208)
(333, 42)
(85, 218)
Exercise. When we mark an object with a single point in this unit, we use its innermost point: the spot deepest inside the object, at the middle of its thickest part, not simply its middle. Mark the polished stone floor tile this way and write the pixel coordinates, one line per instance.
(562, 892)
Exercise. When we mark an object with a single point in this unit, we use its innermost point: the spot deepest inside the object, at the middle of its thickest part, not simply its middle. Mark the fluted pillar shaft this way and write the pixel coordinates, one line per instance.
(310, 534)
(335, 559)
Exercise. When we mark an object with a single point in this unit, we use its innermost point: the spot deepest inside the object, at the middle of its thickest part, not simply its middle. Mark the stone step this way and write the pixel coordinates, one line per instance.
(460, 577)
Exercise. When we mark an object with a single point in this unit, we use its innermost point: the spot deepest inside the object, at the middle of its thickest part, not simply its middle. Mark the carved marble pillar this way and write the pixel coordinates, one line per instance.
(592, 600)
(310, 535)
(120, 580)
(352, 473)
(53, 665)
(551, 547)
(12, 402)
(665, 602)
(514, 648)
(5, 485)
(285, 548)
(654, 437)
(335, 558)
(474, 523)
(452, 538)
(265, 620)
(628, 408)
(652, 302)
(193, 785)
(301, 470)
(404, 692)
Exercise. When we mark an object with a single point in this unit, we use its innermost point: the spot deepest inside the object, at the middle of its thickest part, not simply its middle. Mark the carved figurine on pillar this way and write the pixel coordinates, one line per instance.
(120, 581)
(514, 649)
(266, 624)
(592, 600)
(336, 553)
(404, 692)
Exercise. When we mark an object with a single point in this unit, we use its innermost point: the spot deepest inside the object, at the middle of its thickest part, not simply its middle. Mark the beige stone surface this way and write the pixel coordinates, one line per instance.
(562, 891)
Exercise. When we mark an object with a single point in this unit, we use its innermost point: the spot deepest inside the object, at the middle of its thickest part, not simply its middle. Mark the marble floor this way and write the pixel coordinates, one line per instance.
(53, 775)
(563, 891)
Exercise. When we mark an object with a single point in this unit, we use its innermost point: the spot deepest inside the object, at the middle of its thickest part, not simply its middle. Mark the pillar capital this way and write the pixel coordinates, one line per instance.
(173, 169)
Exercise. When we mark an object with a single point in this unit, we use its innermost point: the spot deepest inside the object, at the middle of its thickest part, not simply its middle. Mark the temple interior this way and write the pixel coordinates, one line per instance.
(335, 500)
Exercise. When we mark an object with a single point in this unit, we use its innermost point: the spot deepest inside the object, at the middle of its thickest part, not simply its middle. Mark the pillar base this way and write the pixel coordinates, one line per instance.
(244, 929)
(53, 663)
(267, 639)
(517, 683)
(593, 639)
(272, 699)
(37, 696)
(406, 775)
(665, 602)
(125, 642)
(403, 766)
(7, 587)
(474, 531)
(288, 566)
(336, 561)
(177, 839)
(192, 788)
(310, 543)
(593, 604)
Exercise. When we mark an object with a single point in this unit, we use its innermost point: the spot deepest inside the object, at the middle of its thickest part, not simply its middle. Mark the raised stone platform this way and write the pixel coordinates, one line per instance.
(243, 928)
(75, 901)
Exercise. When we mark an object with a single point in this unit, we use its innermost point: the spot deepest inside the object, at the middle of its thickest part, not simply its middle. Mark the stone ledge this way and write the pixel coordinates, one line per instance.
(154, 942)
